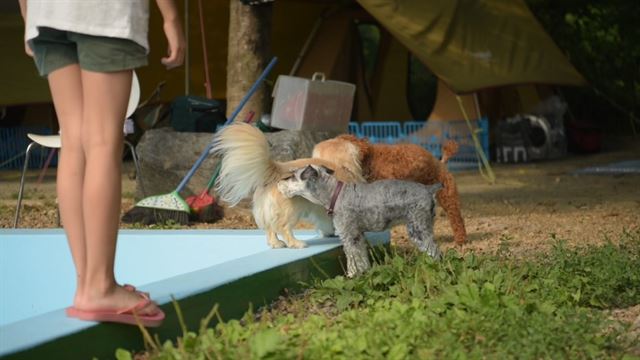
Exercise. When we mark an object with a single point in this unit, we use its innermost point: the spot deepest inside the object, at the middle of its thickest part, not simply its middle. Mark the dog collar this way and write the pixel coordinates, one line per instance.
(334, 197)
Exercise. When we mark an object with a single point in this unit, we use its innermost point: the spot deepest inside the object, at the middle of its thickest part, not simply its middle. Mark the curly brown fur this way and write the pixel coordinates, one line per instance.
(400, 161)
(449, 149)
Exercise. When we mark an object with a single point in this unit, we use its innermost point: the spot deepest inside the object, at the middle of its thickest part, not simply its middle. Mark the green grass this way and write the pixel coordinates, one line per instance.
(409, 307)
(167, 225)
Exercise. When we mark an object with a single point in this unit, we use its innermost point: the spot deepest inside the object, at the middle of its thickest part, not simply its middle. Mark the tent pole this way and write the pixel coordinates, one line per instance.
(490, 176)
(307, 43)
(477, 104)
(187, 67)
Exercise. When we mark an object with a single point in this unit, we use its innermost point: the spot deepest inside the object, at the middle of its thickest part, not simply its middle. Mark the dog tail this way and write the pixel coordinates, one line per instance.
(449, 149)
(246, 162)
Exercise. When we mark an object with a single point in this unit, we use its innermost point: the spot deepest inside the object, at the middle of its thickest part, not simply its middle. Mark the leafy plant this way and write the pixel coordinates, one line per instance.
(601, 39)
(471, 306)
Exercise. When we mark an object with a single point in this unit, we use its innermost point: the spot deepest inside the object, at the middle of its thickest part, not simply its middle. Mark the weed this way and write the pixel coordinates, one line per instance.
(167, 225)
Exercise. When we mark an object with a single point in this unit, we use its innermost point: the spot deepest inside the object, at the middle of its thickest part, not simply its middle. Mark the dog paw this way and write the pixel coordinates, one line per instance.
(277, 245)
(297, 245)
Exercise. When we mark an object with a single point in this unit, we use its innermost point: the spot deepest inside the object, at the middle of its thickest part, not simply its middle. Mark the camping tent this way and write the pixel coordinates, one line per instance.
(470, 46)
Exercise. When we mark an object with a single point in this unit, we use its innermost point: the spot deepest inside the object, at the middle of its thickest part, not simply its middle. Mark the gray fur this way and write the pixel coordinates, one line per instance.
(376, 206)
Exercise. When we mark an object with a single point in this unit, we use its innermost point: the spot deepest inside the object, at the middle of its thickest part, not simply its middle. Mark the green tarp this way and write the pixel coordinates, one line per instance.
(476, 44)
(469, 44)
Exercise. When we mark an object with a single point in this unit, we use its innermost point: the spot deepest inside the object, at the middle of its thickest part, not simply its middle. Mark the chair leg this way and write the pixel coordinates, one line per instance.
(20, 192)
(134, 155)
(58, 222)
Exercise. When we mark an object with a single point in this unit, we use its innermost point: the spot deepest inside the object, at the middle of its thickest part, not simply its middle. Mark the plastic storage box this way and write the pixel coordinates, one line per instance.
(312, 104)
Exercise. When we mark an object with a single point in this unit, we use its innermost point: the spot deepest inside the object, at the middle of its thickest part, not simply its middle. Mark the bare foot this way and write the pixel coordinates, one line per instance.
(116, 298)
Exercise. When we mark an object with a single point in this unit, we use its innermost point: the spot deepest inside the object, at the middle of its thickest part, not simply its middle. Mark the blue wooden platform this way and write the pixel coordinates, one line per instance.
(197, 267)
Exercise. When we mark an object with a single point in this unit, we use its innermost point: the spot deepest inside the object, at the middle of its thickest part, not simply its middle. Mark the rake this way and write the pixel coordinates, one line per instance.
(171, 206)
(199, 203)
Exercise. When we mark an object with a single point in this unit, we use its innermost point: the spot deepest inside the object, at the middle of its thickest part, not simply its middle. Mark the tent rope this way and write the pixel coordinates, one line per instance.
(489, 175)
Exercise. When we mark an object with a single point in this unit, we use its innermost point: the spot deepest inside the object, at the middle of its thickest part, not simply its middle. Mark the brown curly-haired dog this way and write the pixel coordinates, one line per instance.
(400, 161)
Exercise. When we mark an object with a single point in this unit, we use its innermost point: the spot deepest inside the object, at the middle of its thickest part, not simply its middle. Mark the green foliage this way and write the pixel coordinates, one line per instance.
(548, 306)
(602, 39)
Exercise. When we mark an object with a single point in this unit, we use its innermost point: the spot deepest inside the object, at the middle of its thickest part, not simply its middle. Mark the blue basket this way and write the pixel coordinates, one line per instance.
(393, 132)
(354, 129)
(13, 145)
(382, 132)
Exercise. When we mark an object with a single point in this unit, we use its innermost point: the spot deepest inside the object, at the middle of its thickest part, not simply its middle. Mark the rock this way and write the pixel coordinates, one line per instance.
(166, 157)
(287, 145)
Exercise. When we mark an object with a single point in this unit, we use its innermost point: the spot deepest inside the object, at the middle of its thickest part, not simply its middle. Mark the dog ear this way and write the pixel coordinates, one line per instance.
(364, 147)
(309, 173)
(329, 171)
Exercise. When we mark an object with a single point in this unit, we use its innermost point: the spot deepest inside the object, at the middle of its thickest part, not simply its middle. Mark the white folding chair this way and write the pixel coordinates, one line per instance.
(53, 142)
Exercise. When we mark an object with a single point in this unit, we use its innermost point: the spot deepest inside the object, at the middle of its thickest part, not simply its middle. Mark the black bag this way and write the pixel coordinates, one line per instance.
(152, 113)
(196, 114)
(526, 137)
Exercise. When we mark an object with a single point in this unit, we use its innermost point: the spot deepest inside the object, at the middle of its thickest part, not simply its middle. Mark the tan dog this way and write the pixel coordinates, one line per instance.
(247, 168)
(401, 161)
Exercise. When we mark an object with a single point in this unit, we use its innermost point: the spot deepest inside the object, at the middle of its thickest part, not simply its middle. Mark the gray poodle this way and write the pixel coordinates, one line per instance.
(377, 206)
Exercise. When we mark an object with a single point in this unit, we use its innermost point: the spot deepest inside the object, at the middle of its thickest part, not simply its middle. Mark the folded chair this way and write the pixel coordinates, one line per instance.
(53, 142)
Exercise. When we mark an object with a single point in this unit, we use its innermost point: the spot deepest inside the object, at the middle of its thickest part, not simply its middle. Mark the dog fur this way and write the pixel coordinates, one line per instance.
(248, 169)
(374, 206)
(401, 161)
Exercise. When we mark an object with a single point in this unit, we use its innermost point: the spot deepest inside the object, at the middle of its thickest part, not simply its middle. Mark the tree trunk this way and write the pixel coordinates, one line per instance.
(249, 52)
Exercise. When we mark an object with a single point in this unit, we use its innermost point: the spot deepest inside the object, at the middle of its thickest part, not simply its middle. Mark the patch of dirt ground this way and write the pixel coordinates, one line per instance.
(527, 205)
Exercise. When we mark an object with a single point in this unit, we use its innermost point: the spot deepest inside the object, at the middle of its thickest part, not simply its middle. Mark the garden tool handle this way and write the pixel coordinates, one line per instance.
(244, 100)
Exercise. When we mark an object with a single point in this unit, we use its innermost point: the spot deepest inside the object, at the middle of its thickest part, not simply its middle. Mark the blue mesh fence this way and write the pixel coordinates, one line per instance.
(431, 136)
(13, 145)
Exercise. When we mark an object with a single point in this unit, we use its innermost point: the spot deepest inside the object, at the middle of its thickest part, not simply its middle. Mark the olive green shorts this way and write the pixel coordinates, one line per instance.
(54, 49)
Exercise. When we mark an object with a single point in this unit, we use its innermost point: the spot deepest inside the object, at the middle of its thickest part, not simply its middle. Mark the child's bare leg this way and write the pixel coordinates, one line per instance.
(66, 90)
(105, 97)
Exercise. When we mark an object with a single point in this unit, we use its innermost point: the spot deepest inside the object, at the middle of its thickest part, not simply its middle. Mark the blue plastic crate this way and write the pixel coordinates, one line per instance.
(457, 130)
(13, 145)
(382, 132)
(409, 127)
(354, 129)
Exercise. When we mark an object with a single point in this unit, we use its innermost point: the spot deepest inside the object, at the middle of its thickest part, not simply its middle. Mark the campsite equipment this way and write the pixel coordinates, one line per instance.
(150, 114)
(207, 79)
(527, 137)
(171, 206)
(194, 113)
(316, 104)
(200, 202)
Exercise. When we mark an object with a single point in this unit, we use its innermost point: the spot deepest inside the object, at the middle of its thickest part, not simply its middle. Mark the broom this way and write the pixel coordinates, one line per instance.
(171, 206)
(199, 203)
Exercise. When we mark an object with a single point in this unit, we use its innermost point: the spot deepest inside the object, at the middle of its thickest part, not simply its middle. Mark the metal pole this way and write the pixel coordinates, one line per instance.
(20, 192)
(187, 67)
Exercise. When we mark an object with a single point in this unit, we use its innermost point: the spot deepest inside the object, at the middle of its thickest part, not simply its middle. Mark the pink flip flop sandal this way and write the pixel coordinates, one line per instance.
(125, 316)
